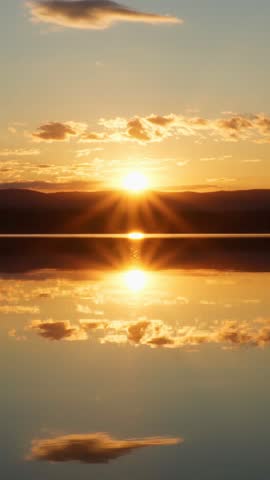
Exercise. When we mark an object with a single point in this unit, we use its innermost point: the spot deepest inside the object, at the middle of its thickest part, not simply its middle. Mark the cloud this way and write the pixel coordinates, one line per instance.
(221, 180)
(211, 159)
(96, 448)
(19, 152)
(18, 310)
(199, 188)
(234, 126)
(43, 186)
(151, 333)
(85, 309)
(157, 128)
(252, 160)
(182, 163)
(93, 324)
(136, 129)
(62, 330)
(58, 131)
(93, 137)
(92, 14)
(137, 331)
(157, 334)
(87, 151)
(161, 341)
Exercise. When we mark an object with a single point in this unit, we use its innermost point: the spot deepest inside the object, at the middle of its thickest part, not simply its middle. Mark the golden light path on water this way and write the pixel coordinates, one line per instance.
(135, 279)
(136, 236)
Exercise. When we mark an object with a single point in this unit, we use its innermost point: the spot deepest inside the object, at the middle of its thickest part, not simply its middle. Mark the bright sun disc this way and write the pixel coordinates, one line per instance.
(135, 280)
(135, 182)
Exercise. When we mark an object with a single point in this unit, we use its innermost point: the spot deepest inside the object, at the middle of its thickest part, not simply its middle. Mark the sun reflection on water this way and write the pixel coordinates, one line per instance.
(135, 280)
(136, 236)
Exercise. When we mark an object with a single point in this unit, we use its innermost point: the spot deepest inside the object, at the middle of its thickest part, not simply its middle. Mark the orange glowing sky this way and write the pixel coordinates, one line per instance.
(157, 89)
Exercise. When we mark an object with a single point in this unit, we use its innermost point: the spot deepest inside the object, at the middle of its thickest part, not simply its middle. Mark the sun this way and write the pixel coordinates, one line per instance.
(136, 236)
(135, 280)
(135, 182)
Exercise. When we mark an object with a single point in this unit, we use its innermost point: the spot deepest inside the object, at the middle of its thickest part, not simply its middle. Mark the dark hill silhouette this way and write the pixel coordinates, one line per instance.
(27, 211)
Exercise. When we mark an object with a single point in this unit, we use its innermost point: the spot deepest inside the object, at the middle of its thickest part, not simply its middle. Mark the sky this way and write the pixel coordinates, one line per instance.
(176, 90)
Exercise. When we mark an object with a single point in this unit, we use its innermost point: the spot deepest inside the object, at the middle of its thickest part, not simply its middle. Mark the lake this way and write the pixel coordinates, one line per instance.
(132, 357)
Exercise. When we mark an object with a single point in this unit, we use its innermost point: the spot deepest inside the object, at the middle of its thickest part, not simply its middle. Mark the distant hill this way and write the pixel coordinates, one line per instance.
(27, 211)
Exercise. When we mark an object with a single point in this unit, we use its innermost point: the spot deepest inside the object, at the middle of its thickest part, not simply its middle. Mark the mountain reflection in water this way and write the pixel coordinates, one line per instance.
(160, 343)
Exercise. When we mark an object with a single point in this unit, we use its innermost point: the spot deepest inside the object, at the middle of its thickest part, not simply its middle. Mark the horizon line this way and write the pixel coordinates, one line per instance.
(137, 236)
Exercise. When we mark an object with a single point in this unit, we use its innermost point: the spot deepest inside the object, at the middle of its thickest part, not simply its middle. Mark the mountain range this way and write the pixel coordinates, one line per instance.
(28, 211)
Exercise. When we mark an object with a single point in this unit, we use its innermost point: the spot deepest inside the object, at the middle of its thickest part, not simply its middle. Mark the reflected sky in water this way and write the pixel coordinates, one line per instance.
(134, 358)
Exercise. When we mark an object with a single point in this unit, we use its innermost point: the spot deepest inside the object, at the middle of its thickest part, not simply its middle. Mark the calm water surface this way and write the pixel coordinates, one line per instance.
(165, 341)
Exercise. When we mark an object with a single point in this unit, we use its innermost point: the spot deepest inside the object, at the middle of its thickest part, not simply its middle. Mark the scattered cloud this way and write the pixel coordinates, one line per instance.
(137, 331)
(93, 324)
(96, 448)
(92, 14)
(53, 330)
(58, 131)
(157, 128)
(144, 331)
(157, 334)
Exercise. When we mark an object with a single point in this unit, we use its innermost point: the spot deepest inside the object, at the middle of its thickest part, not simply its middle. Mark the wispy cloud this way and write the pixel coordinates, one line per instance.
(51, 177)
(18, 309)
(212, 159)
(221, 180)
(85, 152)
(92, 14)
(61, 186)
(252, 160)
(95, 448)
(19, 152)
